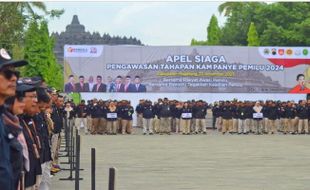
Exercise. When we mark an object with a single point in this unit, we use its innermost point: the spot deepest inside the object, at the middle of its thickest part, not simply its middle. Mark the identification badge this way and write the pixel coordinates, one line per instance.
(112, 115)
(257, 115)
(186, 115)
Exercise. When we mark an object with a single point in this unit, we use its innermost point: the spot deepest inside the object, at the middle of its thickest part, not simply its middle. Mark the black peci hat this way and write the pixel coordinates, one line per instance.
(23, 87)
(6, 60)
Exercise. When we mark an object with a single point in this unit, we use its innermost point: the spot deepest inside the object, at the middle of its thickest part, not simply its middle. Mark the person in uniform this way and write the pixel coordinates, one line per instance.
(273, 114)
(258, 118)
(235, 106)
(41, 123)
(303, 116)
(97, 114)
(8, 78)
(289, 118)
(176, 114)
(33, 176)
(156, 121)
(241, 115)
(19, 157)
(57, 118)
(219, 116)
(139, 110)
(199, 113)
(81, 116)
(164, 112)
(112, 118)
(227, 117)
(249, 117)
(126, 111)
(148, 114)
(186, 116)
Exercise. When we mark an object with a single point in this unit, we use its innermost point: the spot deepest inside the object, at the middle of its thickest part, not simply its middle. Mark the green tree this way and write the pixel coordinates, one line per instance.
(213, 31)
(39, 53)
(239, 17)
(15, 17)
(253, 39)
(280, 23)
(12, 24)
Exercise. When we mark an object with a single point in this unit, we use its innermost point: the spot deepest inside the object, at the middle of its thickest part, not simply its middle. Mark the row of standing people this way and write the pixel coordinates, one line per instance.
(30, 126)
(260, 117)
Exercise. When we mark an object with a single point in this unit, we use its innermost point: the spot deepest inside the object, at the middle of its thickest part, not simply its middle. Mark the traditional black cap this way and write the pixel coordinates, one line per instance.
(6, 60)
(34, 81)
(23, 87)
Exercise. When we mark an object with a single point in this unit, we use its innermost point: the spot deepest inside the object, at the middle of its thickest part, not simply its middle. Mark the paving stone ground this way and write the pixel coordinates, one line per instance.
(196, 162)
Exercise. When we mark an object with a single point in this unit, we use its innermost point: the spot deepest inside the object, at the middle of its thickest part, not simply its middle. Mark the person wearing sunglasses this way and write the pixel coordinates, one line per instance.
(8, 78)
(15, 106)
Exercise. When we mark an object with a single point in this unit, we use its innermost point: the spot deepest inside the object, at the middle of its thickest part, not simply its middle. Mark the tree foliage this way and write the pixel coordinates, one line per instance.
(277, 24)
(214, 31)
(253, 39)
(15, 18)
(39, 53)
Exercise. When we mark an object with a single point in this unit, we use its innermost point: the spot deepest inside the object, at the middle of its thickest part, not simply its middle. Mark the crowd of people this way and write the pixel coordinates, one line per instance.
(31, 119)
(190, 117)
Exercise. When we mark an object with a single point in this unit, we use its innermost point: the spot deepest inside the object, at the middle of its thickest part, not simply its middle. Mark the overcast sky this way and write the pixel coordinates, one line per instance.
(154, 23)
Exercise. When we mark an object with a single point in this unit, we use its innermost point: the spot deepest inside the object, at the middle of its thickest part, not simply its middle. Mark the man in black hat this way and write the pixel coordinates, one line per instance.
(32, 136)
(8, 78)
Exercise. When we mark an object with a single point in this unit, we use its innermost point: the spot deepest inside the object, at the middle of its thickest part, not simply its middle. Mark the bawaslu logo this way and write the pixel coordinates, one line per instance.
(77, 50)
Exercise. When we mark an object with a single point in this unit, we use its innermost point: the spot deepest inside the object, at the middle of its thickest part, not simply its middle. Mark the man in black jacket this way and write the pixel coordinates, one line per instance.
(28, 122)
(273, 114)
(241, 115)
(126, 111)
(57, 117)
(164, 112)
(42, 129)
(303, 116)
(289, 118)
(81, 116)
(199, 113)
(139, 110)
(8, 78)
(227, 117)
(148, 113)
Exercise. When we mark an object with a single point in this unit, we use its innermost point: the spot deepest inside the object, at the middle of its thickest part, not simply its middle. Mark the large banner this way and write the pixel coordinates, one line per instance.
(218, 69)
